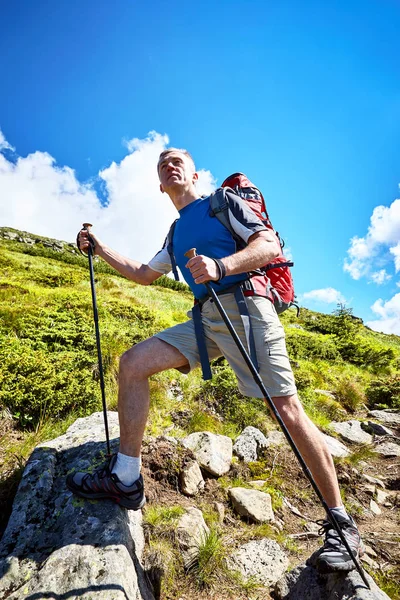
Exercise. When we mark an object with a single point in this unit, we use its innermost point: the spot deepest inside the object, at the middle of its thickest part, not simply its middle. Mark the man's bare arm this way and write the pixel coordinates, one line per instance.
(262, 248)
(131, 269)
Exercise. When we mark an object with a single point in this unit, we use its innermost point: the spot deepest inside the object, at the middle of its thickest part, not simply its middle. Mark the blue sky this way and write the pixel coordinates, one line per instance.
(304, 97)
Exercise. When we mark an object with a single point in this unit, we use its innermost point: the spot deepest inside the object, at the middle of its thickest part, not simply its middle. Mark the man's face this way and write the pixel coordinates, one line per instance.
(176, 171)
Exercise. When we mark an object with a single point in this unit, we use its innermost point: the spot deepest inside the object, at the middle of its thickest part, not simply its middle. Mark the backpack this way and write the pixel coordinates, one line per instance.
(275, 277)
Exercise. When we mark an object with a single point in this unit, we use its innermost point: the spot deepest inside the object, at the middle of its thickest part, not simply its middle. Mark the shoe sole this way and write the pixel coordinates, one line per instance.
(99, 496)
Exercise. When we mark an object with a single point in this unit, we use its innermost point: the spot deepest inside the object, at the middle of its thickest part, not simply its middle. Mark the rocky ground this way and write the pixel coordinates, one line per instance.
(256, 498)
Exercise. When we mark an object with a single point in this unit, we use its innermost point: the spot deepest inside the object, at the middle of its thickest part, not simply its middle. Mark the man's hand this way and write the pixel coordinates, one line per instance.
(83, 240)
(203, 269)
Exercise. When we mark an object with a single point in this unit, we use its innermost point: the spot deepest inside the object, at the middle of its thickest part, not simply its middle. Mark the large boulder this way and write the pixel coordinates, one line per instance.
(59, 545)
(305, 583)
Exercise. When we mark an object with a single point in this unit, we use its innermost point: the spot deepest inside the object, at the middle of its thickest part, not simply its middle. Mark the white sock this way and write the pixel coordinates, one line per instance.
(339, 511)
(127, 468)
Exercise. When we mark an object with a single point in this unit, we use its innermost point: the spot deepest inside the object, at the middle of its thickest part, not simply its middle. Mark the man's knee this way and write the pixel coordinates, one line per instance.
(290, 409)
(132, 364)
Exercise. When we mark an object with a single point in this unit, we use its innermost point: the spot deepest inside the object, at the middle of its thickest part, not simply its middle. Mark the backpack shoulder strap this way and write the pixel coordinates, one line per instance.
(170, 249)
(219, 207)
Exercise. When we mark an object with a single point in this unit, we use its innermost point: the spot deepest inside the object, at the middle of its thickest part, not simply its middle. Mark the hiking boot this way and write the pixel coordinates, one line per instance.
(105, 484)
(333, 555)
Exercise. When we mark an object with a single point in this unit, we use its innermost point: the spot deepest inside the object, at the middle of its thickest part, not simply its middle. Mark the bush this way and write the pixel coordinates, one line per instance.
(384, 393)
(360, 351)
(35, 383)
(350, 393)
(303, 344)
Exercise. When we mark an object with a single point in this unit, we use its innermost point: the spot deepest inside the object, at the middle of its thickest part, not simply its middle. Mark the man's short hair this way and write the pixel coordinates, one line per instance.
(164, 153)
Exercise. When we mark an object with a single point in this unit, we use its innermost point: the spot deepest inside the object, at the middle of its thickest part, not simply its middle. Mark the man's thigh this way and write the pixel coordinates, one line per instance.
(182, 338)
(269, 337)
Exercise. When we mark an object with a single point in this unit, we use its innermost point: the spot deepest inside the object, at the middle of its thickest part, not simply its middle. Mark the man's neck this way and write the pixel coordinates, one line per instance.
(182, 198)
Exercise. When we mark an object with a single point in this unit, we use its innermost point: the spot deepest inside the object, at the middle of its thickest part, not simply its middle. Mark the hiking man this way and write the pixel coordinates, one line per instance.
(176, 347)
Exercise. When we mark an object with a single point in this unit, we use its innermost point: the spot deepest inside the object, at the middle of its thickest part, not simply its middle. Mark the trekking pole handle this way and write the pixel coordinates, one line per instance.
(86, 227)
(191, 253)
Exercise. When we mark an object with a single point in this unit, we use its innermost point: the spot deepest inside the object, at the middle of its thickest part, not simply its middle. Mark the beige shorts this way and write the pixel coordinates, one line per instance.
(269, 338)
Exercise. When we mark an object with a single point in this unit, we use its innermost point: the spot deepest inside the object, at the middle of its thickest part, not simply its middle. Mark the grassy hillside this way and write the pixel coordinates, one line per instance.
(49, 370)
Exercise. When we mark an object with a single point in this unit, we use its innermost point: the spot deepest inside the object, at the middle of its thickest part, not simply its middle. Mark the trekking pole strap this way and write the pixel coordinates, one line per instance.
(201, 341)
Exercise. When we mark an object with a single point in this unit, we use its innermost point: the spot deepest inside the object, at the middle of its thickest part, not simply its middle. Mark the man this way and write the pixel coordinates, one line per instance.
(176, 347)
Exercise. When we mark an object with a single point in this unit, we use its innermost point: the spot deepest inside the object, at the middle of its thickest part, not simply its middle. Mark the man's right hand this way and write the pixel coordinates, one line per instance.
(83, 241)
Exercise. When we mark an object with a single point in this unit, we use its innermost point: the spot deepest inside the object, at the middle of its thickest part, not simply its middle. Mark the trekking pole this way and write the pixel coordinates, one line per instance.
(191, 254)
(86, 227)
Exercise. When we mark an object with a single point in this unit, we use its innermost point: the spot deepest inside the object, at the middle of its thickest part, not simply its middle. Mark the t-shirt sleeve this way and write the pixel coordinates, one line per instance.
(161, 262)
(243, 220)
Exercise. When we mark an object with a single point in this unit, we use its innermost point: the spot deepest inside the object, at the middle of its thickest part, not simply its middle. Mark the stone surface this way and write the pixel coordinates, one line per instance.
(351, 431)
(389, 417)
(376, 428)
(248, 444)
(371, 479)
(375, 508)
(56, 542)
(276, 438)
(381, 496)
(191, 479)
(388, 449)
(263, 560)
(336, 447)
(190, 532)
(252, 504)
(213, 452)
(304, 583)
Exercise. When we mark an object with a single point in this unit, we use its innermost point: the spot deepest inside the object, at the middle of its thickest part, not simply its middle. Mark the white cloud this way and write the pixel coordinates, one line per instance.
(326, 295)
(383, 232)
(38, 196)
(380, 277)
(4, 145)
(389, 315)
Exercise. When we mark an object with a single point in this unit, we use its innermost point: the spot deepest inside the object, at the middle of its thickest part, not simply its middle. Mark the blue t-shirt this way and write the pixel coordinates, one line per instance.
(196, 228)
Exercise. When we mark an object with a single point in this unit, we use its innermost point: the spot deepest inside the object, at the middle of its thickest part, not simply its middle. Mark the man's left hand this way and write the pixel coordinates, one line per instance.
(203, 269)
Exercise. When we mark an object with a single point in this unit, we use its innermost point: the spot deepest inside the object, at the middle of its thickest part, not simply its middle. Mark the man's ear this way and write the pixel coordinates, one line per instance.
(195, 177)
(161, 189)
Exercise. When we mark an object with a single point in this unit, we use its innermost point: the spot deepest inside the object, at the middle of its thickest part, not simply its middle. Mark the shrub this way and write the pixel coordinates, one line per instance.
(303, 344)
(384, 393)
(360, 351)
(350, 393)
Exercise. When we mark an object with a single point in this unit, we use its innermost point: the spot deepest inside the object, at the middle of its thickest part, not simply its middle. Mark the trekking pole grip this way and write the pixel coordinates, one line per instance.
(191, 253)
(86, 227)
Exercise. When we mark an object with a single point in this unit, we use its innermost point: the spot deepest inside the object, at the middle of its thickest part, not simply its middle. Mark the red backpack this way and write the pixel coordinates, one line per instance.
(275, 277)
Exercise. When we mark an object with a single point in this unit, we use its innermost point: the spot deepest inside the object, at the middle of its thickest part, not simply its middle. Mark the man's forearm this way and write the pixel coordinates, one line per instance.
(258, 253)
(131, 269)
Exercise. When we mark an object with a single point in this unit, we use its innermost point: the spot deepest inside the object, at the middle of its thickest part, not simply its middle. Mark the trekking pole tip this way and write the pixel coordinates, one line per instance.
(191, 253)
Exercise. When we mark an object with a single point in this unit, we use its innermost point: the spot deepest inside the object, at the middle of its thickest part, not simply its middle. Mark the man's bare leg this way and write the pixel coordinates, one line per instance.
(136, 366)
(312, 447)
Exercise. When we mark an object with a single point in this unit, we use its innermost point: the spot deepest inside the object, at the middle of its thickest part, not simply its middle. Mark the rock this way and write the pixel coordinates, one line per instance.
(10, 235)
(351, 431)
(262, 560)
(371, 479)
(296, 326)
(336, 448)
(258, 483)
(390, 417)
(370, 551)
(305, 583)
(369, 561)
(370, 488)
(388, 449)
(191, 479)
(374, 508)
(276, 438)
(249, 442)
(252, 504)
(56, 541)
(376, 428)
(212, 451)
(190, 532)
(381, 496)
(220, 510)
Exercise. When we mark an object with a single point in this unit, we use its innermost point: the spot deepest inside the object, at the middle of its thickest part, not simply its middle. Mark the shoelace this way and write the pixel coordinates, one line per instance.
(332, 539)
